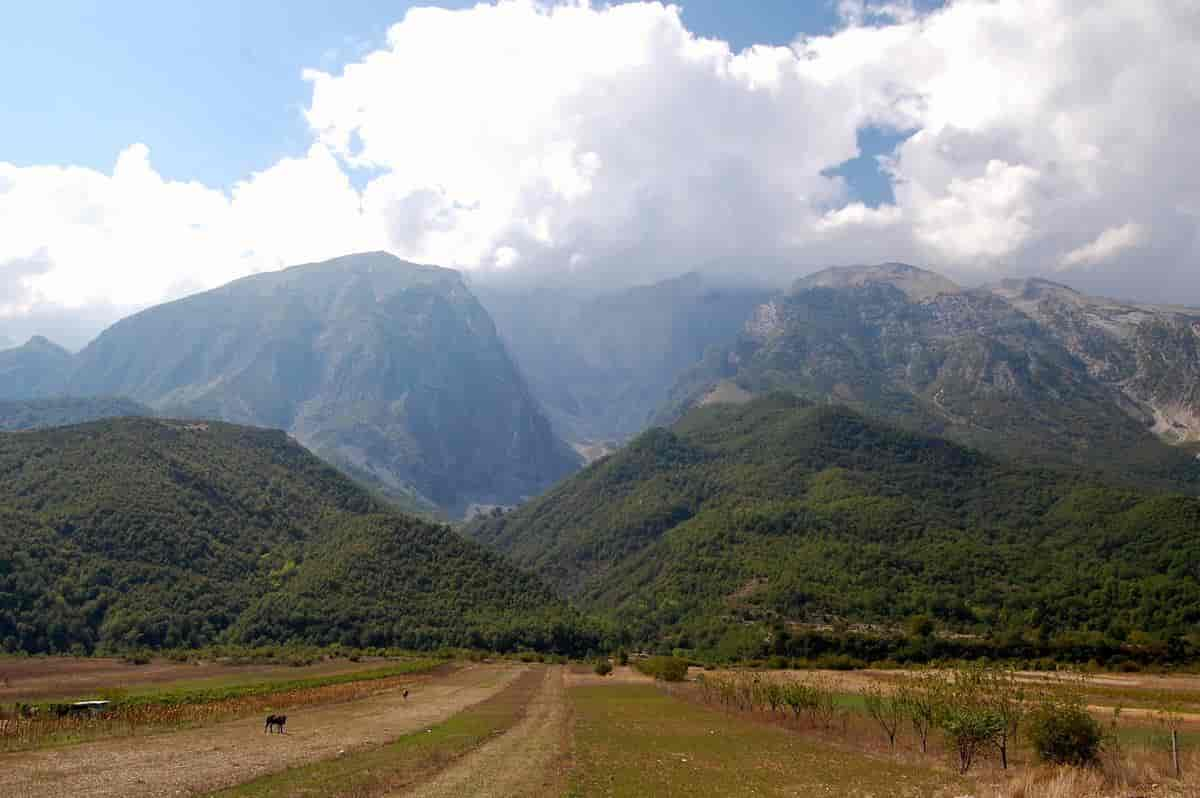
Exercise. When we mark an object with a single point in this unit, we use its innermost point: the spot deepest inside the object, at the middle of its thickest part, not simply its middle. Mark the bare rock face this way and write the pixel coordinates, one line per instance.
(390, 370)
(1150, 353)
(1027, 368)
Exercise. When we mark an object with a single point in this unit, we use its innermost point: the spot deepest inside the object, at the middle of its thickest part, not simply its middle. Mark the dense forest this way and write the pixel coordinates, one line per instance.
(134, 533)
(781, 514)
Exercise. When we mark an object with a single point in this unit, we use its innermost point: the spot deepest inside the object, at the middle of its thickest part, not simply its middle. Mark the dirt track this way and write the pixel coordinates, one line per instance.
(528, 760)
(199, 760)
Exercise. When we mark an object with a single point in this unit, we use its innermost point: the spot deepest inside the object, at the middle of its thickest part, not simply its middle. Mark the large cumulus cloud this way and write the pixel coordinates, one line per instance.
(609, 143)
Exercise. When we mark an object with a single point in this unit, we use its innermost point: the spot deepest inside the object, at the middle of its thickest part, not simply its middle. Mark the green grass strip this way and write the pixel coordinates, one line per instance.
(633, 741)
(177, 696)
(403, 762)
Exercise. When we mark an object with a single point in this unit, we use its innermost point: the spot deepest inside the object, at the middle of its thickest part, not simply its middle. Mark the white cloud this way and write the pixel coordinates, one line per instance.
(613, 143)
(1107, 245)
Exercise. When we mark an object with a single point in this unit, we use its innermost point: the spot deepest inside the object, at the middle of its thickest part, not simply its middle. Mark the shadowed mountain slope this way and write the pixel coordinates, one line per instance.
(390, 370)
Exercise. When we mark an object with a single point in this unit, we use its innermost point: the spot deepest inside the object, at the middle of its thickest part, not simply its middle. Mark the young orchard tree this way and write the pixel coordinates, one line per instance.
(1170, 715)
(1005, 696)
(970, 725)
(921, 698)
(887, 708)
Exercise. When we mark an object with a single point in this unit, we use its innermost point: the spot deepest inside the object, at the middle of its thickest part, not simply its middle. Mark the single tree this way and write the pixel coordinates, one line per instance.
(888, 709)
(921, 697)
(1005, 696)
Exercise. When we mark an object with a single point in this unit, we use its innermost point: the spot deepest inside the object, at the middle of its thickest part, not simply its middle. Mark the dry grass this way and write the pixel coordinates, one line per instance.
(1134, 775)
(19, 733)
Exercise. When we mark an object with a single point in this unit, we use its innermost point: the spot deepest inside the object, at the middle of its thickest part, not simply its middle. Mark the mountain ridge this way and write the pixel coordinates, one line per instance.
(982, 366)
(392, 371)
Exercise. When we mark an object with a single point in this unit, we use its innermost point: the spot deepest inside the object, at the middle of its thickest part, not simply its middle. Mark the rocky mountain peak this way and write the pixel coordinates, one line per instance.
(391, 370)
(917, 284)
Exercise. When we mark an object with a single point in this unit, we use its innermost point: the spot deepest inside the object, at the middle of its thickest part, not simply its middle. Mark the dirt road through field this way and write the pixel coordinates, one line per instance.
(527, 760)
(200, 760)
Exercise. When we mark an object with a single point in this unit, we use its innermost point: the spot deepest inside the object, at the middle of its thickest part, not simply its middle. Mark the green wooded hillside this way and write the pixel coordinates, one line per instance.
(780, 510)
(130, 533)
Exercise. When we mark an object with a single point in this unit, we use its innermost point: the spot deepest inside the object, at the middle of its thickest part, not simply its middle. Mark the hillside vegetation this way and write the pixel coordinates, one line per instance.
(134, 533)
(782, 511)
(65, 411)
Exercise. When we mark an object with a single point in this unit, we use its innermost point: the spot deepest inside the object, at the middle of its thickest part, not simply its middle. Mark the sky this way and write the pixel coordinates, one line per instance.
(150, 150)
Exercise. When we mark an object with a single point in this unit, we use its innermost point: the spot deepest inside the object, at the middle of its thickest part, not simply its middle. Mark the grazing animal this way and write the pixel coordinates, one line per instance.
(405, 693)
(275, 722)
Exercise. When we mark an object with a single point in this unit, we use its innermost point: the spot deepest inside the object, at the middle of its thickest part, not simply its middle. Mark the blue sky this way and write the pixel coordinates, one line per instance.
(214, 88)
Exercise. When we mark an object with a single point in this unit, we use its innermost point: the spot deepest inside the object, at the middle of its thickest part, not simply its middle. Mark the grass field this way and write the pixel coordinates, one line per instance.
(635, 741)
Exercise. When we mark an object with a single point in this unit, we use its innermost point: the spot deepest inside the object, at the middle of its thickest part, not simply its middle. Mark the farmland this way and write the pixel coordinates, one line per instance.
(512, 728)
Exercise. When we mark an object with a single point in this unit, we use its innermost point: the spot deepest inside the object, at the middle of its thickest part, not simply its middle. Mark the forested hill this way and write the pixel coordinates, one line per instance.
(780, 510)
(142, 532)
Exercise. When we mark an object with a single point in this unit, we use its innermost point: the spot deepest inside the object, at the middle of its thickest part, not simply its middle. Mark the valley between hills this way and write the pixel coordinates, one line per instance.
(370, 492)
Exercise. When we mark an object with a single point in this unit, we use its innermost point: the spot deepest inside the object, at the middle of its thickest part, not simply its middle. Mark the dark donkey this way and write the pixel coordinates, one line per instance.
(275, 722)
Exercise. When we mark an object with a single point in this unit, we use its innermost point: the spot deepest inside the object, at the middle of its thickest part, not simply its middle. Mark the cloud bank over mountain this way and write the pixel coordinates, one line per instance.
(611, 144)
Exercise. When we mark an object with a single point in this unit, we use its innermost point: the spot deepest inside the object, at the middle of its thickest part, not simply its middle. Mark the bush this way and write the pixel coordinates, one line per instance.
(603, 667)
(622, 657)
(666, 669)
(1065, 734)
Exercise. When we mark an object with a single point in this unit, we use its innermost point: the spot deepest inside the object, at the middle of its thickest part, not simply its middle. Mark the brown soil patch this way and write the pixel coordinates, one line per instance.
(201, 760)
(584, 676)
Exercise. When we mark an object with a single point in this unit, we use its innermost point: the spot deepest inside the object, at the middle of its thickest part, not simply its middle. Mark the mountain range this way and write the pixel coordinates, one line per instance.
(391, 371)
(869, 443)
(1026, 369)
(400, 376)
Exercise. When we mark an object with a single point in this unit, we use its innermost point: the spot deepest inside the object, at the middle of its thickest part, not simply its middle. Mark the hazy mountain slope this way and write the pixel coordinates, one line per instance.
(145, 532)
(779, 510)
(391, 370)
(1150, 353)
(38, 368)
(64, 411)
(911, 347)
(602, 365)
